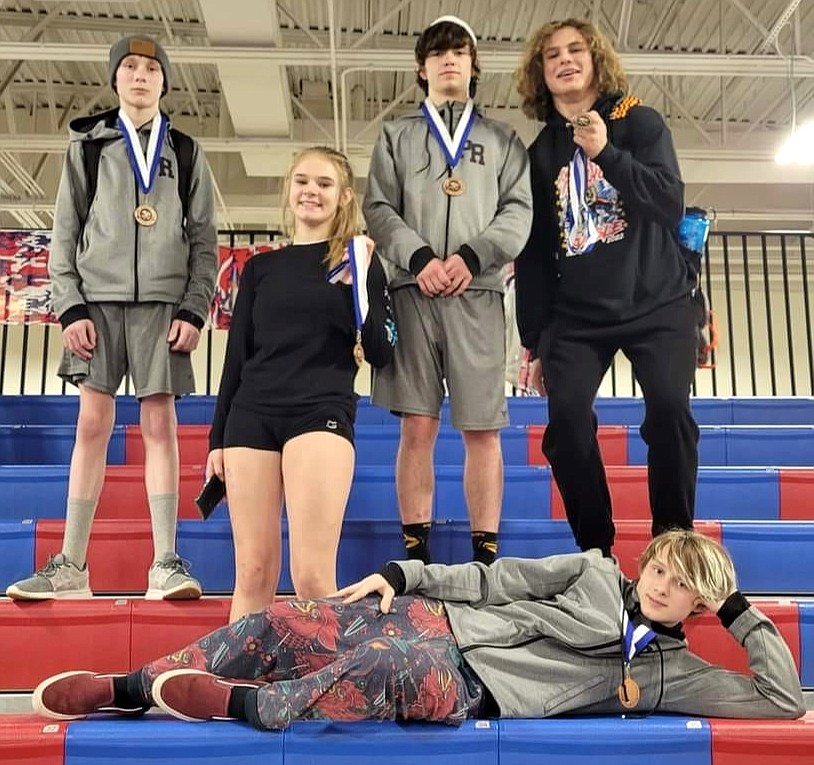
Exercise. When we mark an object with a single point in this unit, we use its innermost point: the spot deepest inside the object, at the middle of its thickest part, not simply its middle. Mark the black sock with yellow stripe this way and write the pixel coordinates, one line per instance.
(417, 541)
(484, 547)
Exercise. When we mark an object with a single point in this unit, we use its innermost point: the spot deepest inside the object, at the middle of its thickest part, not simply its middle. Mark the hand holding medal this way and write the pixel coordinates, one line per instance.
(590, 133)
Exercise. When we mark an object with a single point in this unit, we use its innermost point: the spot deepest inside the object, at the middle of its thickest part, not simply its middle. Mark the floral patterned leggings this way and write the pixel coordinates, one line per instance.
(325, 660)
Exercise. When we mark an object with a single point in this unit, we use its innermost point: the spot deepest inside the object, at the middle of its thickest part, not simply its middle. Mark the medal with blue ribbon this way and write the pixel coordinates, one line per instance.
(145, 165)
(581, 231)
(355, 262)
(634, 641)
(451, 145)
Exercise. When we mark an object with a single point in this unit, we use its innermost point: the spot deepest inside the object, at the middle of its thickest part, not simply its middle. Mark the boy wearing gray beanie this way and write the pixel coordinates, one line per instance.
(133, 264)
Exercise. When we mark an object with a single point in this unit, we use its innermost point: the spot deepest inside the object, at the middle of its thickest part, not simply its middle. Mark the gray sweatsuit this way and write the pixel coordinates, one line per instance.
(103, 255)
(544, 636)
(406, 208)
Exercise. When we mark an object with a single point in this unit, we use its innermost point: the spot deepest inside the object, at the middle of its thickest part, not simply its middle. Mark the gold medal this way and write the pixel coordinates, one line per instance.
(145, 215)
(629, 693)
(358, 354)
(453, 187)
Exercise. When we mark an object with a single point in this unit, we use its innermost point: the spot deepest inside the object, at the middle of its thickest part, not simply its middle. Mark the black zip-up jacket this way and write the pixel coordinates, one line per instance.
(635, 188)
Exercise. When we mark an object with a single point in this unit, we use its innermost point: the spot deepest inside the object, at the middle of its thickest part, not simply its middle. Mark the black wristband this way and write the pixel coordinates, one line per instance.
(420, 258)
(395, 577)
(190, 318)
(74, 313)
(732, 608)
(470, 258)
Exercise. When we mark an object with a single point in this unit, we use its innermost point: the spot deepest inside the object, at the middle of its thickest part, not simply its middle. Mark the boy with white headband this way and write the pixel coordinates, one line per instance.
(133, 272)
(448, 203)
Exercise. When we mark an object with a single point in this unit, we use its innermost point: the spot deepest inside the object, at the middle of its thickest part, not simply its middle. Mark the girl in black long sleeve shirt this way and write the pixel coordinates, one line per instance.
(283, 425)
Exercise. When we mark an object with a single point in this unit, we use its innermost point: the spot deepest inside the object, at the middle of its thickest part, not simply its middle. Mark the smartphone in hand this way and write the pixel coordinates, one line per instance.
(213, 492)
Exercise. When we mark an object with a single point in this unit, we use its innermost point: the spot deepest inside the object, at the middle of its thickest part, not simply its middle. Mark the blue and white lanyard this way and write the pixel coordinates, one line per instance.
(144, 165)
(451, 145)
(635, 639)
(356, 260)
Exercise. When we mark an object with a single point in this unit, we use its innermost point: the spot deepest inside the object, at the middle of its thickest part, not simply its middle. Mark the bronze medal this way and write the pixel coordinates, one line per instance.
(358, 354)
(629, 693)
(453, 187)
(582, 121)
(145, 215)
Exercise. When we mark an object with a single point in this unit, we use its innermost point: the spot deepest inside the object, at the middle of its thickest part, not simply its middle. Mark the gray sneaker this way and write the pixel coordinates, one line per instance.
(169, 579)
(59, 578)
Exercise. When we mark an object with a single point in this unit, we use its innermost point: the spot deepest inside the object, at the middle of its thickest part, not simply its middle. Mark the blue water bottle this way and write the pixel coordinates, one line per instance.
(693, 229)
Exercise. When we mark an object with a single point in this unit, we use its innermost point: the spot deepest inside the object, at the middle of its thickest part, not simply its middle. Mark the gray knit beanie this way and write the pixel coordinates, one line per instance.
(139, 45)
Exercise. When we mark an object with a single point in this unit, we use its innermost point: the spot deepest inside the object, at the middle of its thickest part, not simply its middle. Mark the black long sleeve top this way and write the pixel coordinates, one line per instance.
(635, 190)
(291, 339)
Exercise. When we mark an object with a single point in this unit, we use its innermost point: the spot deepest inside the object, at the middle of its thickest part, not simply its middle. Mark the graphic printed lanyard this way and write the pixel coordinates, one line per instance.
(582, 233)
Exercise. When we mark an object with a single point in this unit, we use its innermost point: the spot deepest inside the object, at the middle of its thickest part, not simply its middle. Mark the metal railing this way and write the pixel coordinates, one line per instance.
(759, 286)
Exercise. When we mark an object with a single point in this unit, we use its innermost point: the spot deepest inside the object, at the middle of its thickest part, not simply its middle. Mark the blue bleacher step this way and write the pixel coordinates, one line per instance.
(198, 409)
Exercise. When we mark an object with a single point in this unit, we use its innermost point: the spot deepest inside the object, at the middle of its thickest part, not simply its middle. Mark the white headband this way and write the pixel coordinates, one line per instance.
(461, 23)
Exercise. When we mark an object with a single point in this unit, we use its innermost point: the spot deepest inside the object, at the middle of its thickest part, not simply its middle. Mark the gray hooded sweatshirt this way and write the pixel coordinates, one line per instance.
(102, 254)
(544, 636)
(412, 219)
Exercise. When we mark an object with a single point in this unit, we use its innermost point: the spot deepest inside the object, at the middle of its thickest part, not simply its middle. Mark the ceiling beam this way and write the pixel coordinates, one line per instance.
(495, 60)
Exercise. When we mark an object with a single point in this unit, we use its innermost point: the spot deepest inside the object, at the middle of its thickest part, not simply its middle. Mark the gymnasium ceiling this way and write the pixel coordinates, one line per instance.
(256, 80)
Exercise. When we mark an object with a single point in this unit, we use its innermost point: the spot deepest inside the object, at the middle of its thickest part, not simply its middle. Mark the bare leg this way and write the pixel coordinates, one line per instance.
(415, 478)
(483, 478)
(254, 487)
(87, 474)
(315, 508)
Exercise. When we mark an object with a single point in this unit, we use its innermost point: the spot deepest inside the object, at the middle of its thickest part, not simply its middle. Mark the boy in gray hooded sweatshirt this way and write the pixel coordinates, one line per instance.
(448, 203)
(133, 272)
(568, 634)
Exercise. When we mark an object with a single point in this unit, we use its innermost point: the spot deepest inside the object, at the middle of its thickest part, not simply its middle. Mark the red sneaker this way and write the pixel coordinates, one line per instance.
(72, 695)
(194, 695)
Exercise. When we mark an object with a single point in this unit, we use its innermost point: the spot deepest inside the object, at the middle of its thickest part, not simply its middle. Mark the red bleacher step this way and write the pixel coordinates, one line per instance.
(193, 444)
(43, 638)
(124, 496)
(613, 440)
(628, 489)
(31, 740)
(119, 555)
(757, 742)
(796, 493)
(160, 627)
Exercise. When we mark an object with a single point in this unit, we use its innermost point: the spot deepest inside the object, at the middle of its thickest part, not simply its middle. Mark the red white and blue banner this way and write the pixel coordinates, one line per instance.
(27, 288)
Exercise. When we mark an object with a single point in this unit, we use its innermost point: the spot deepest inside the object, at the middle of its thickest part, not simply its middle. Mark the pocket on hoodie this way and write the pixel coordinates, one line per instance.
(561, 695)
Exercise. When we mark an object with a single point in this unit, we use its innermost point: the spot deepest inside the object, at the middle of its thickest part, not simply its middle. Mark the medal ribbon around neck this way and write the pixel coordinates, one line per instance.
(144, 166)
(635, 639)
(451, 145)
(580, 215)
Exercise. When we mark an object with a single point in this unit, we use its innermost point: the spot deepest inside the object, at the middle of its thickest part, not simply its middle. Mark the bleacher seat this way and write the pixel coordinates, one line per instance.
(154, 739)
(28, 739)
(606, 741)
(757, 742)
(755, 493)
